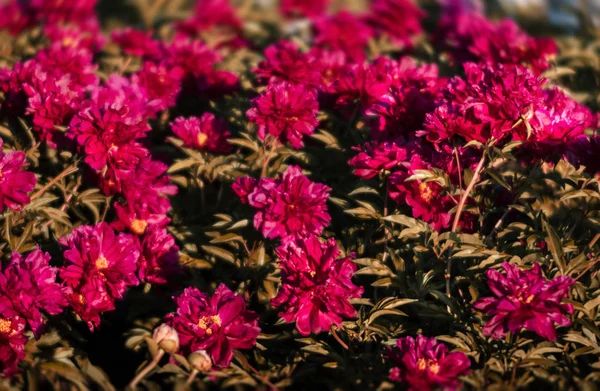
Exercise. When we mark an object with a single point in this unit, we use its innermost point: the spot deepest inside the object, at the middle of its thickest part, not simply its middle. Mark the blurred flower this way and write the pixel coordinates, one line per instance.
(374, 158)
(424, 364)
(90, 39)
(206, 133)
(287, 207)
(303, 8)
(137, 43)
(12, 344)
(209, 14)
(166, 338)
(286, 112)
(161, 82)
(28, 286)
(525, 299)
(99, 267)
(14, 183)
(217, 324)
(399, 19)
(345, 32)
(315, 285)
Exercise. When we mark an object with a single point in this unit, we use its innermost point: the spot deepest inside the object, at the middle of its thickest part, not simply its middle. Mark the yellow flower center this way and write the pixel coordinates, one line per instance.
(527, 300)
(138, 227)
(202, 138)
(425, 191)
(313, 273)
(81, 299)
(68, 41)
(5, 326)
(431, 365)
(101, 263)
(206, 323)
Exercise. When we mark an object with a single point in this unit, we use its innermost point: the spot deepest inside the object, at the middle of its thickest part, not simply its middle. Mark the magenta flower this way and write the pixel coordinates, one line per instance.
(137, 43)
(424, 364)
(217, 324)
(304, 8)
(28, 286)
(159, 256)
(15, 18)
(399, 19)
(344, 32)
(161, 83)
(12, 344)
(286, 112)
(90, 39)
(14, 183)
(287, 207)
(209, 14)
(99, 267)
(284, 62)
(524, 299)
(193, 56)
(315, 285)
(374, 158)
(206, 133)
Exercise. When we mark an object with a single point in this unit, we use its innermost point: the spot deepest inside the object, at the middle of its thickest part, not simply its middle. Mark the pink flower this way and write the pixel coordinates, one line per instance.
(524, 299)
(14, 183)
(15, 17)
(286, 112)
(102, 131)
(99, 267)
(159, 256)
(374, 158)
(399, 19)
(137, 43)
(209, 14)
(304, 8)
(76, 63)
(205, 133)
(12, 344)
(284, 62)
(424, 364)
(60, 11)
(315, 285)
(287, 207)
(217, 324)
(161, 83)
(345, 32)
(331, 65)
(193, 56)
(28, 286)
(90, 39)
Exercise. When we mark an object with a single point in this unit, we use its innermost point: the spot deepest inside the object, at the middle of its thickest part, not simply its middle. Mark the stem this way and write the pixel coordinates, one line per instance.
(388, 234)
(191, 378)
(67, 171)
(66, 203)
(337, 338)
(140, 376)
(459, 209)
(267, 159)
(246, 364)
(587, 269)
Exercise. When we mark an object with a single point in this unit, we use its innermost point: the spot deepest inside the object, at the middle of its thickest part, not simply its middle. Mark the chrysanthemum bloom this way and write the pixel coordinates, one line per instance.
(12, 344)
(217, 324)
(524, 299)
(424, 364)
(60, 11)
(373, 158)
(99, 267)
(331, 65)
(193, 56)
(125, 91)
(28, 286)
(59, 61)
(470, 37)
(102, 131)
(345, 32)
(493, 101)
(159, 256)
(161, 82)
(209, 14)
(304, 8)
(286, 112)
(399, 19)
(14, 183)
(137, 43)
(315, 285)
(288, 207)
(15, 17)
(206, 133)
(90, 39)
(284, 62)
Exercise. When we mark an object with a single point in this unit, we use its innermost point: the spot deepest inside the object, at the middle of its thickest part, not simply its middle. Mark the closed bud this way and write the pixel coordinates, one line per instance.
(200, 361)
(167, 338)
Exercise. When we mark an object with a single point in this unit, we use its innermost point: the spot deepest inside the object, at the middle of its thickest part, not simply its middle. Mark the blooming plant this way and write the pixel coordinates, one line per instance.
(323, 194)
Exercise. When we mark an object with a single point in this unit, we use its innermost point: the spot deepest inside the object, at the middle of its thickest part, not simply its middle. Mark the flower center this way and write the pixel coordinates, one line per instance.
(425, 191)
(202, 138)
(431, 365)
(207, 322)
(101, 263)
(5, 326)
(526, 300)
(81, 299)
(138, 227)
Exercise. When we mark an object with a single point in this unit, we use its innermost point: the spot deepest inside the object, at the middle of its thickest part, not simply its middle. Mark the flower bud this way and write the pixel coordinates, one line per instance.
(167, 338)
(200, 361)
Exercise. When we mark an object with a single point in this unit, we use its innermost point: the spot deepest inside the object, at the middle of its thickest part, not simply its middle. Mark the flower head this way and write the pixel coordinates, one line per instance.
(137, 43)
(345, 32)
(304, 8)
(288, 207)
(217, 324)
(166, 338)
(206, 133)
(524, 299)
(286, 112)
(159, 255)
(14, 183)
(315, 285)
(373, 158)
(399, 19)
(285, 62)
(12, 344)
(424, 364)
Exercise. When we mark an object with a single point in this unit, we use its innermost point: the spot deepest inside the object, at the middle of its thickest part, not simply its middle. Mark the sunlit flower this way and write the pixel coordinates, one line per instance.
(15, 184)
(206, 133)
(12, 344)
